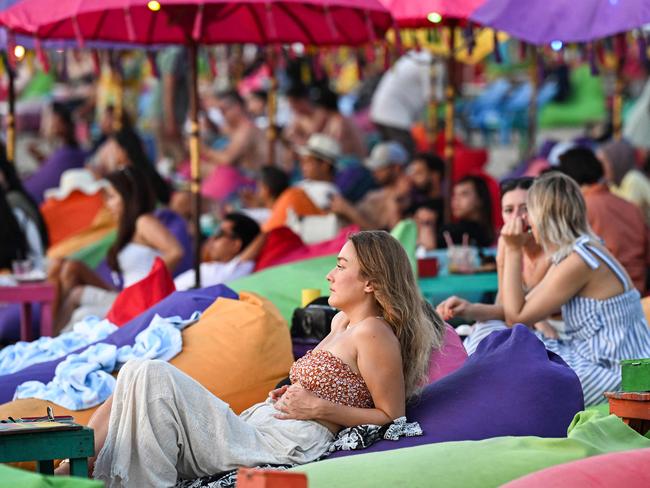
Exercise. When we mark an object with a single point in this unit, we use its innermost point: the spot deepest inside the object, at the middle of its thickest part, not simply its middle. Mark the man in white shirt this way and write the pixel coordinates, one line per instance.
(400, 98)
(318, 165)
(229, 254)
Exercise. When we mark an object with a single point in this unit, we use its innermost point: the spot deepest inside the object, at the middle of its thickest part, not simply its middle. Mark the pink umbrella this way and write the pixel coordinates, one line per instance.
(422, 13)
(193, 22)
(312, 22)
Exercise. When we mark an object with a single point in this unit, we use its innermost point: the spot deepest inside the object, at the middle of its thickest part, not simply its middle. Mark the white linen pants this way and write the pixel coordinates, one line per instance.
(164, 426)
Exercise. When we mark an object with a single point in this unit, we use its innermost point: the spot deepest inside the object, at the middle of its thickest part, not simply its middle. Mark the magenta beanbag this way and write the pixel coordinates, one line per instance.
(627, 469)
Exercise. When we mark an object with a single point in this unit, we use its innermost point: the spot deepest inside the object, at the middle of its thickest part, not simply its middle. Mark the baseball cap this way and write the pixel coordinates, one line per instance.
(386, 153)
(322, 147)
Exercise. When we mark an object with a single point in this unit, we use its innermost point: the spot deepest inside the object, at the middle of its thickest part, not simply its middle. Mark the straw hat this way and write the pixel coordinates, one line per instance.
(76, 180)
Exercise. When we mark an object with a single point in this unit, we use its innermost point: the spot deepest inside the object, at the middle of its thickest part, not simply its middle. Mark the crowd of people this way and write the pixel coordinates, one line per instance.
(572, 257)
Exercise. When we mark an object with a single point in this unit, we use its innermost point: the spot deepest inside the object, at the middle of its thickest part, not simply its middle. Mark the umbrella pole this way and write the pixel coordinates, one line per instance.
(532, 105)
(433, 105)
(617, 103)
(119, 92)
(195, 168)
(11, 116)
(272, 108)
(449, 119)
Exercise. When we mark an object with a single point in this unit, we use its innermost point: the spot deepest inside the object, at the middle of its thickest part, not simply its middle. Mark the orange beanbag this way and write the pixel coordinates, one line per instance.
(239, 350)
(56, 214)
(102, 224)
(141, 296)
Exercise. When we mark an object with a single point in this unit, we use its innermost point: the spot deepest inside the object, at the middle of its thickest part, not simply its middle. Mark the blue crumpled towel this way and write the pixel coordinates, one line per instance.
(23, 354)
(81, 381)
(160, 340)
(84, 380)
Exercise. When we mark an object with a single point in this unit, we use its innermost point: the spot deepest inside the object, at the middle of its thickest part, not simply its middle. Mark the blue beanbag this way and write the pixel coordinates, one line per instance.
(511, 386)
(182, 303)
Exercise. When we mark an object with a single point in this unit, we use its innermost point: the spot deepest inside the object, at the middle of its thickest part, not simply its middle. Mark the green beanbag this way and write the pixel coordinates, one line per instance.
(586, 103)
(12, 477)
(486, 463)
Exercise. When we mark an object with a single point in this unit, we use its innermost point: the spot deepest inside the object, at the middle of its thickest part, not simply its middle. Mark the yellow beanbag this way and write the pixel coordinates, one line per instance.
(239, 350)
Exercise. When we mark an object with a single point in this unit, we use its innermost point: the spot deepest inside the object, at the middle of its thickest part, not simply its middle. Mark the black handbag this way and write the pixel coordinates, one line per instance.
(313, 321)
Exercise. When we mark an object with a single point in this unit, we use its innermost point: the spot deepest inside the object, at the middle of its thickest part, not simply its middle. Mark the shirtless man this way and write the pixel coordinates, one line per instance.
(247, 147)
(226, 169)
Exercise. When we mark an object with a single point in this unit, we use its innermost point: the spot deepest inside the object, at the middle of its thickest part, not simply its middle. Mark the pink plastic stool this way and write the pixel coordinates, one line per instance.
(26, 294)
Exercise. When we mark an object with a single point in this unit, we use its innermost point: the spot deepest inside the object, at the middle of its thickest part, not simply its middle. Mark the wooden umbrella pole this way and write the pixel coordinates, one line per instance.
(11, 116)
(450, 95)
(195, 168)
(532, 105)
(272, 108)
(433, 104)
(617, 102)
(119, 95)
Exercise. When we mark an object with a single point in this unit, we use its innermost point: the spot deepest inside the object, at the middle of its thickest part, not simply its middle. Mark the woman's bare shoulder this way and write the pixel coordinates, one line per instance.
(376, 329)
(147, 220)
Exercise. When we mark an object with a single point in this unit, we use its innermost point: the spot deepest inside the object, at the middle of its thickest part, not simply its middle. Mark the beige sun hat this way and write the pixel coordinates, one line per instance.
(76, 180)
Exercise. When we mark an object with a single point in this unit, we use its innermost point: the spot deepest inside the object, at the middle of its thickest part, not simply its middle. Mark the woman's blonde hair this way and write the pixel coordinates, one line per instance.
(558, 209)
(419, 329)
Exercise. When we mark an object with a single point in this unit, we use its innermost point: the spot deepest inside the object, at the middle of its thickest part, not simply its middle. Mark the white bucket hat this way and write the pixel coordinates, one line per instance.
(76, 180)
(322, 147)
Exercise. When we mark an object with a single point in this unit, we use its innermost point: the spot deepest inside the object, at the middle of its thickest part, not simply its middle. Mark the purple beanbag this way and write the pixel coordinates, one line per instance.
(49, 174)
(182, 303)
(511, 386)
(10, 322)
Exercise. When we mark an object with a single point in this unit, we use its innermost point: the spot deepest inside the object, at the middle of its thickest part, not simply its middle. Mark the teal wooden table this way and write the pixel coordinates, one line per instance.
(46, 446)
(472, 287)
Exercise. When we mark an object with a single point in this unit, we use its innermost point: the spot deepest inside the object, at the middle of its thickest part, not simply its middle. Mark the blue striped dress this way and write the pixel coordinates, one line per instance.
(598, 334)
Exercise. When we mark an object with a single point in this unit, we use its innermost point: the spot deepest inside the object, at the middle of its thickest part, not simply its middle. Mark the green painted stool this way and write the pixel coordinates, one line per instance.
(44, 447)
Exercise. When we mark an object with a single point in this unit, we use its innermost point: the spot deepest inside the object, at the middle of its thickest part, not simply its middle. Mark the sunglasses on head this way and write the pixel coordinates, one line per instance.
(523, 183)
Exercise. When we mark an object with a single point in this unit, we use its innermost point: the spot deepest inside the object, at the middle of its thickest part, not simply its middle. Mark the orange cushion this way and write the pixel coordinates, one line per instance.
(239, 350)
(102, 224)
(56, 214)
(292, 198)
(142, 295)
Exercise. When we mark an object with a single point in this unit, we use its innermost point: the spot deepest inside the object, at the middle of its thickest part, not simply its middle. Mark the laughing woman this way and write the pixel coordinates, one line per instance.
(161, 425)
(604, 321)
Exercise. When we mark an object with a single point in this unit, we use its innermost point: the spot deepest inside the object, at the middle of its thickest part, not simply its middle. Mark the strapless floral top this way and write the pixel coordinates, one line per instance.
(329, 378)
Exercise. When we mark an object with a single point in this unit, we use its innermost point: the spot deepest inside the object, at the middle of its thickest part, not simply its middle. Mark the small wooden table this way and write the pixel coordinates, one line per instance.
(46, 446)
(632, 407)
(27, 293)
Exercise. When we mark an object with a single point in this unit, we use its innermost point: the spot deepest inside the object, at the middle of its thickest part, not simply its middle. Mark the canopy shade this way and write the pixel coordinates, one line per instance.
(311, 22)
(414, 13)
(544, 21)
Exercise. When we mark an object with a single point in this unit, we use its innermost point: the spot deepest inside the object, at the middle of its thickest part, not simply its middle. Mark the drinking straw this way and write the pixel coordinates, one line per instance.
(448, 239)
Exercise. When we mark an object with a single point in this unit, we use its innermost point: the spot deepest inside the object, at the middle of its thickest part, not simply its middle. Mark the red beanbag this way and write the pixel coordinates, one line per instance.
(140, 296)
(279, 242)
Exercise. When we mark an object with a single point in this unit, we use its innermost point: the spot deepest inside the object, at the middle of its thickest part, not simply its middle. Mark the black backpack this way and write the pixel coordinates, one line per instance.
(313, 321)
